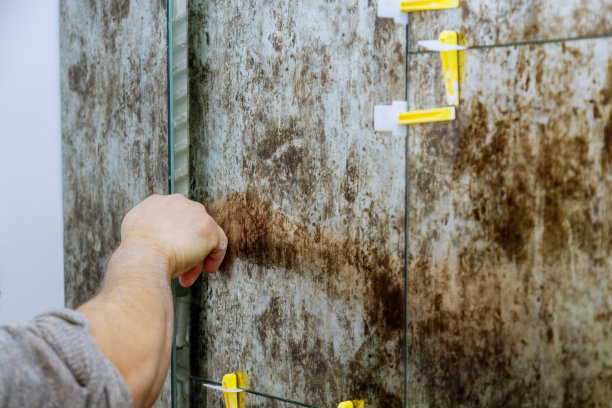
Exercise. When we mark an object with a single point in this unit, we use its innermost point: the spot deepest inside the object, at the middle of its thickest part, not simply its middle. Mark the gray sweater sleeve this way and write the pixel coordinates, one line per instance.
(54, 362)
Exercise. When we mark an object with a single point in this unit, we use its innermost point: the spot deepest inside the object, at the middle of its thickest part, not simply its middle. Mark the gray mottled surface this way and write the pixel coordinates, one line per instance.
(310, 301)
(510, 209)
(494, 22)
(114, 127)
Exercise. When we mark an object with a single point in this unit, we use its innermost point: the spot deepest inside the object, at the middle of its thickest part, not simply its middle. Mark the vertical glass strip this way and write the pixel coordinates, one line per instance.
(178, 131)
(406, 224)
(170, 179)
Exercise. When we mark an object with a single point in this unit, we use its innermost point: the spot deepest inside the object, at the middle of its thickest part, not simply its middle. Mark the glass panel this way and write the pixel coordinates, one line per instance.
(178, 150)
(510, 217)
(310, 302)
(486, 22)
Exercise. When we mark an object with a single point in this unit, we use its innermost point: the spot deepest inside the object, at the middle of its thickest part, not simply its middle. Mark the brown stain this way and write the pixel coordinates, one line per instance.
(459, 353)
(504, 194)
(80, 79)
(606, 92)
(533, 201)
(277, 137)
(263, 236)
(351, 185)
(271, 325)
(119, 9)
(503, 206)
(299, 139)
(288, 154)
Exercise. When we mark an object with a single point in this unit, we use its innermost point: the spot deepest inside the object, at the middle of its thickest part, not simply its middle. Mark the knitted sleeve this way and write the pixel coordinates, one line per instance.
(54, 362)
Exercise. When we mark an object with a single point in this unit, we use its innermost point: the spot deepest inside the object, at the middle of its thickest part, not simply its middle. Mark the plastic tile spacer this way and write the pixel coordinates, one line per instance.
(394, 118)
(427, 116)
(392, 9)
(386, 118)
(234, 381)
(398, 9)
(450, 66)
(409, 6)
(352, 404)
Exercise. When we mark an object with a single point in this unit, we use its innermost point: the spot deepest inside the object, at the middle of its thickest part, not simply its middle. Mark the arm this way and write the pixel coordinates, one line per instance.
(131, 319)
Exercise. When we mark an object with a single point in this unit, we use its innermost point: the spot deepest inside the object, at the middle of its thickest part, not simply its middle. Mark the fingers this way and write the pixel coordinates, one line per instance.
(180, 230)
(188, 278)
(212, 261)
(215, 257)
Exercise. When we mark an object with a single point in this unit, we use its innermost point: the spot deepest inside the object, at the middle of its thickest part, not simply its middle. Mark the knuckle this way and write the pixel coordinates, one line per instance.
(210, 222)
(203, 224)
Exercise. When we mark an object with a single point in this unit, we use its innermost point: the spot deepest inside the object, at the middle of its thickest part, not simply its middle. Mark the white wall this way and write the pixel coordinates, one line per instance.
(31, 254)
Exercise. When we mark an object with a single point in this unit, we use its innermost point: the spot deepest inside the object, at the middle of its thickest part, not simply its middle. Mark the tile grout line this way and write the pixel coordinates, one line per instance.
(406, 220)
(522, 43)
(261, 394)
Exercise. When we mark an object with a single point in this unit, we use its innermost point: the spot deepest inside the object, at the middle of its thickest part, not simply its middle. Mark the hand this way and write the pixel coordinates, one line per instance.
(179, 230)
(131, 318)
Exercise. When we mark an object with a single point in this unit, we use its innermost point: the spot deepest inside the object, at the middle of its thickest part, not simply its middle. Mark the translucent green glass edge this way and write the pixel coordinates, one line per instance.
(171, 181)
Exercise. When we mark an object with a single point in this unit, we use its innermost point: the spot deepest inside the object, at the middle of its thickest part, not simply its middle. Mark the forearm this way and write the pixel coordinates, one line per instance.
(131, 320)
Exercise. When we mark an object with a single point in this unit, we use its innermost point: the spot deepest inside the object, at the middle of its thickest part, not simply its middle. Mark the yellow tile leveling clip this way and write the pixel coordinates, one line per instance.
(450, 66)
(427, 116)
(394, 118)
(398, 9)
(352, 404)
(234, 381)
(409, 6)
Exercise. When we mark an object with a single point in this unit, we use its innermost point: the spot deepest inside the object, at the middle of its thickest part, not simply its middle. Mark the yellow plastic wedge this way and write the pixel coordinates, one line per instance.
(352, 404)
(232, 382)
(408, 6)
(450, 64)
(427, 116)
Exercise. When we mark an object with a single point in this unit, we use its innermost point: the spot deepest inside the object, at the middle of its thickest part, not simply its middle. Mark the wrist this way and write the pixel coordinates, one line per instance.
(140, 264)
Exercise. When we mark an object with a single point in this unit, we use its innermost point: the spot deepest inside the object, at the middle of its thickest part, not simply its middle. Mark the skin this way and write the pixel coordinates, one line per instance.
(131, 318)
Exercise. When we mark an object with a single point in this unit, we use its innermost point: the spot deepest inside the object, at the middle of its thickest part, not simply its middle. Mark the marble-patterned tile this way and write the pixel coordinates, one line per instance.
(510, 230)
(485, 22)
(310, 301)
(114, 129)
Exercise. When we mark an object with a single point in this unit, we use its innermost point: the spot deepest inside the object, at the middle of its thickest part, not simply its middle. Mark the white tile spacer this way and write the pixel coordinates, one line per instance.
(386, 118)
(439, 46)
(392, 9)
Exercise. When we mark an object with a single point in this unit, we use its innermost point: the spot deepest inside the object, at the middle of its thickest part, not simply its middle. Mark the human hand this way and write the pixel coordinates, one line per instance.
(178, 229)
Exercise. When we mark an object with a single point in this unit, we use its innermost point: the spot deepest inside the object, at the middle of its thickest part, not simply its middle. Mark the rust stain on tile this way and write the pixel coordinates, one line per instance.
(509, 285)
(265, 237)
